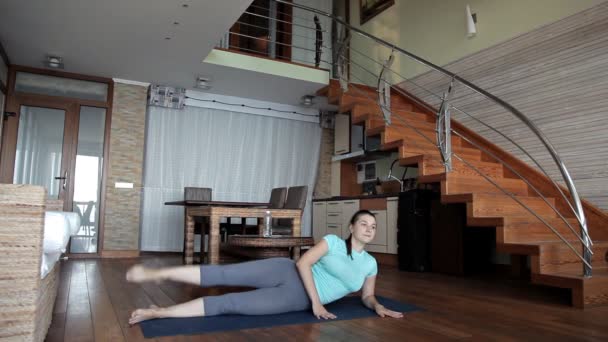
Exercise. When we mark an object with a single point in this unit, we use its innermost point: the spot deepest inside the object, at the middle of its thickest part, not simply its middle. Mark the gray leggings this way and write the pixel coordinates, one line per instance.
(278, 283)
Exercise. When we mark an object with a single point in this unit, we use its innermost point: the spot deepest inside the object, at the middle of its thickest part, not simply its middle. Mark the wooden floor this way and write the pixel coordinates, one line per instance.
(94, 303)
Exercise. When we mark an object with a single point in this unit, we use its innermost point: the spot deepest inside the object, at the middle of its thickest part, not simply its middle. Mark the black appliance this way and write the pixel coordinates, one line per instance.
(434, 237)
(414, 225)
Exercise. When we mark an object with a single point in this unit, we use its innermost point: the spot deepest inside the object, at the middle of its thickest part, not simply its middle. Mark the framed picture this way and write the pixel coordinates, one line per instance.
(371, 8)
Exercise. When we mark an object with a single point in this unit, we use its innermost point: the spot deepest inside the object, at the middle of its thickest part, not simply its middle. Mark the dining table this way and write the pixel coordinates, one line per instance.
(215, 210)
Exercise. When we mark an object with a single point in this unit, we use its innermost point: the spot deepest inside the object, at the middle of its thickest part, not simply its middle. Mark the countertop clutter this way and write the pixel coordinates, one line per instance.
(343, 198)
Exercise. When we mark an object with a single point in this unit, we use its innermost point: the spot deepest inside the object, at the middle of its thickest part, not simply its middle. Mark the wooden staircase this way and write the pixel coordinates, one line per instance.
(518, 232)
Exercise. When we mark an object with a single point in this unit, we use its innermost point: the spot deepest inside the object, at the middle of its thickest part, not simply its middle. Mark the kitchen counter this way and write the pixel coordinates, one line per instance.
(344, 198)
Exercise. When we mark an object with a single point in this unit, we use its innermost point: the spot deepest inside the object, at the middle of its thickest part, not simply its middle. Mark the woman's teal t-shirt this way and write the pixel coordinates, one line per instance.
(336, 274)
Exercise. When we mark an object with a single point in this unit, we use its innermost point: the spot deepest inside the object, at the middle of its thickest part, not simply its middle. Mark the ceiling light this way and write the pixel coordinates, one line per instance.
(306, 100)
(202, 82)
(54, 62)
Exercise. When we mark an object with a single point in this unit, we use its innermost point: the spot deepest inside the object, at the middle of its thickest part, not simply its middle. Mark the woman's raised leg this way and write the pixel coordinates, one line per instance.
(190, 274)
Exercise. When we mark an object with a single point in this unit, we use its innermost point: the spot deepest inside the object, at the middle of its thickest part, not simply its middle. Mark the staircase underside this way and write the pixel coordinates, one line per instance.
(518, 231)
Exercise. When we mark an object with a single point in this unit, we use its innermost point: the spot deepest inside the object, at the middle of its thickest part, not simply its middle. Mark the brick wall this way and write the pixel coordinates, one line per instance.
(323, 186)
(121, 229)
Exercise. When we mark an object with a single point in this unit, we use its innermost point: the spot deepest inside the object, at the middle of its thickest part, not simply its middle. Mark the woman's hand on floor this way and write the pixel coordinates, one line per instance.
(320, 312)
(384, 312)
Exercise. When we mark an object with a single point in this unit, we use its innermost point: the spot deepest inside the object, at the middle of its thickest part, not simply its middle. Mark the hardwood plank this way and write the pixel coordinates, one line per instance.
(106, 326)
(78, 321)
(57, 329)
(125, 297)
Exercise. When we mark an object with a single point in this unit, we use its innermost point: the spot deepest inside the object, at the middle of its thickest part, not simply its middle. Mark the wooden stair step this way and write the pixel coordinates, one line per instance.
(368, 94)
(415, 128)
(361, 111)
(323, 91)
(410, 114)
(415, 148)
(348, 101)
(408, 124)
(461, 184)
(535, 248)
(586, 292)
(419, 135)
(557, 257)
(428, 165)
(530, 230)
(499, 205)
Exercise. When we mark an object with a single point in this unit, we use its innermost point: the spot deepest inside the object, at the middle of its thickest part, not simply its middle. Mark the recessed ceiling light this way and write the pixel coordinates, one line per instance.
(176, 23)
(306, 100)
(54, 62)
(167, 38)
(202, 82)
(185, 5)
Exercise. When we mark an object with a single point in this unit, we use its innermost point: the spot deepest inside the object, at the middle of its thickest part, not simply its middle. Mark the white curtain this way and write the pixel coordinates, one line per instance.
(240, 156)
(39, 148)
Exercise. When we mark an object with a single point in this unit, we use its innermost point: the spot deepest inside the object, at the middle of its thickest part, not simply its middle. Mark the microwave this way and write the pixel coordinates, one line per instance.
(366, 171)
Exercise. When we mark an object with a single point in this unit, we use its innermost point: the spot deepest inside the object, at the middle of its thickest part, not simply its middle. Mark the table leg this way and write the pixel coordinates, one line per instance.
(260, 226)
(189, 240)
(214, 240)
(296, 231)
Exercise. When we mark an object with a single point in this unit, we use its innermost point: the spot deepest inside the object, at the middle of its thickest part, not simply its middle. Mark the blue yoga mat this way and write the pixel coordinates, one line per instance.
(346, 308)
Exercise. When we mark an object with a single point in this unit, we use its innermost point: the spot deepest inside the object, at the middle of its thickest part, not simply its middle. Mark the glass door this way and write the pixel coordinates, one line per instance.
(53, 135)
(87, 178)
(42, 157)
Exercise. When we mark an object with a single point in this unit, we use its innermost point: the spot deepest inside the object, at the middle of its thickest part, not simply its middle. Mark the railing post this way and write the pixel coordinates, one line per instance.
(444, 138)
(318, 41)
(384, 90)
(272, 29)
(342, 61)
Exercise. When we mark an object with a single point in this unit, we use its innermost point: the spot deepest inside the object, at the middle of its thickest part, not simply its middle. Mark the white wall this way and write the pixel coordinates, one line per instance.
(436, 29)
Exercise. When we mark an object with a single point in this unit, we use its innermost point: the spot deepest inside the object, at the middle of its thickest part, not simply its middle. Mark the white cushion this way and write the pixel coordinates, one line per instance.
(56, 232)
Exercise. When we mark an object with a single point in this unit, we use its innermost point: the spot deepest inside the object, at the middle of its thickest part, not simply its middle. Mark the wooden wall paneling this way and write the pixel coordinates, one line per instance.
(348, 179)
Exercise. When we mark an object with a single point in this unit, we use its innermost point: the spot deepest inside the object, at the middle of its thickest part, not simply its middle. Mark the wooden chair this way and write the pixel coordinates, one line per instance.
(296, 199)
(277, 201)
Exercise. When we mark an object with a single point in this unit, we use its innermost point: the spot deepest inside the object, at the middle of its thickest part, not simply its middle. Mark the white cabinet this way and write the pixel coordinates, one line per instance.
(391, 224)
(342, 134)
(334, 228)
(319, 221)
(378, 244)
(349, 208)
(338, 216)
(333, 217)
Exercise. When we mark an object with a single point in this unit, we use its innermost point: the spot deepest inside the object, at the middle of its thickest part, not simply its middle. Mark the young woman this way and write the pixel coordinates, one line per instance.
(330, 270)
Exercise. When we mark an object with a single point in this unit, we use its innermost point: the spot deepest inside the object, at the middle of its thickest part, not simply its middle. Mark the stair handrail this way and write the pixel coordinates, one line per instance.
(587, 249)
(587, 243)
(580, 215)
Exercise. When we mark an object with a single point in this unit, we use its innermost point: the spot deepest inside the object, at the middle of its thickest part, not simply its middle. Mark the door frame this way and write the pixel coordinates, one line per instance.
(14, 100)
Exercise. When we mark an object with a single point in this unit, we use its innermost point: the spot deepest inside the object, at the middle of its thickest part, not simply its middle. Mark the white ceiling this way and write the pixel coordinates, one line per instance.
(126, 39)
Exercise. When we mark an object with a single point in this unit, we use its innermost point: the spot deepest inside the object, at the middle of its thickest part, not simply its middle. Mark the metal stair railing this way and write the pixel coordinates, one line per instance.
(384, 105)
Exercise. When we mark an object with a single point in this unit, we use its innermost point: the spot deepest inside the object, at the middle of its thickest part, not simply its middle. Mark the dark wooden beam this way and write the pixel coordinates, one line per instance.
(4, 55)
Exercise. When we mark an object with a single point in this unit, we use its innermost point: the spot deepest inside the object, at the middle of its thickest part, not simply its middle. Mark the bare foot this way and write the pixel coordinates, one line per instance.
(141, 315)
(140, 274)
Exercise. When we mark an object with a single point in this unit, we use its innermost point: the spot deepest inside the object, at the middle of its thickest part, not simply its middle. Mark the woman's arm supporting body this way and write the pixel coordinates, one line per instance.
(304, 266)
(369, 300)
